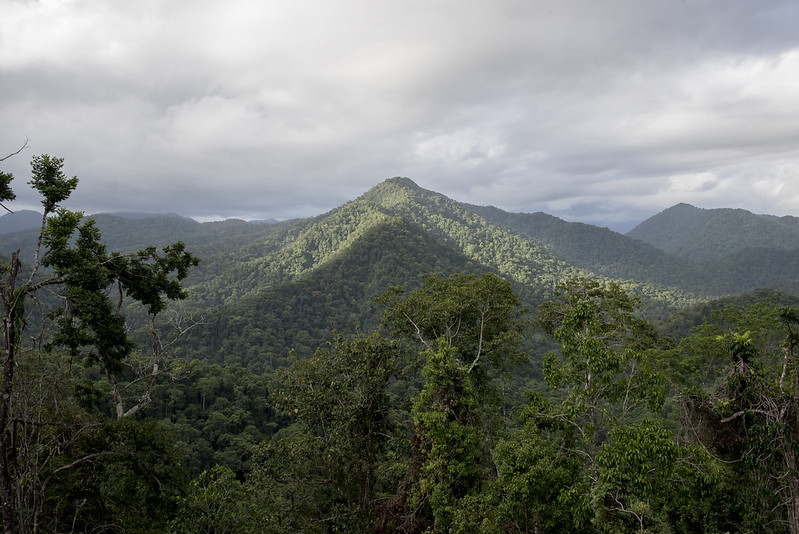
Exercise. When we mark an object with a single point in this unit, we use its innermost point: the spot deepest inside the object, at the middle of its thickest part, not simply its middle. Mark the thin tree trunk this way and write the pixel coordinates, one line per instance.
(793, 487)
(7, 448)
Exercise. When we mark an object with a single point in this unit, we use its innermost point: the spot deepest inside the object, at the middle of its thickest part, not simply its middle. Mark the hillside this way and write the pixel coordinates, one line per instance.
(696, 234)
(259, 329)
(596, 249)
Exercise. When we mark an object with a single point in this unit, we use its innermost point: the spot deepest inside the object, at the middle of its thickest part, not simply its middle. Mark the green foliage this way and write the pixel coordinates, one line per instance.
(6, 193)
(468, 327)
(526, 495)
(604, 350)
(447, 420)
(217, 414)
(79, 259)
(50, 181)
(482, 317)
(260, 330)
(69, 469)
(636, 464)
(140, 474)
(216, 502)
(745, 420)
(330, 465)
(352, 437)
(289, 285)
(604, 371)
(149, 277)
(701, 357)
(82, 472)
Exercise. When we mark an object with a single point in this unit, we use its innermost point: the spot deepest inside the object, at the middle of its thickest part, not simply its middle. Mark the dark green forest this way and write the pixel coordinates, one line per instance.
(403, 363)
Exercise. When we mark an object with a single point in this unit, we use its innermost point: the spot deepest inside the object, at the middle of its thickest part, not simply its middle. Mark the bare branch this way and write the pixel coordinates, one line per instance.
(23, 147)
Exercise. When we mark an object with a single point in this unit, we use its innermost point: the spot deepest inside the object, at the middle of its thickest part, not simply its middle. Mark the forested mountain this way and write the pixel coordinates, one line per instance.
(697, 235)
(267, 288)
(258, 329)
(294, 284)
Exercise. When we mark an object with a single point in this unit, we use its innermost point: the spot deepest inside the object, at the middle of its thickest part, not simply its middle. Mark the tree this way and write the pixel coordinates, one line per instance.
(70, 259)
(468, 328)
(216, 504)
(90, 324)
(337, 446)
(751, 419)
(482, 317)
(534, 464)
(603, 375)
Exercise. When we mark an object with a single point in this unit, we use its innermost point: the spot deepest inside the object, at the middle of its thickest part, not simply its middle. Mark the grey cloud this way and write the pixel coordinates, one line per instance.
(592, 110)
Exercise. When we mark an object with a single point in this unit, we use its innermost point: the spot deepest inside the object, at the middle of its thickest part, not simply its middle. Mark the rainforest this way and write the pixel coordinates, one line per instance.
(403, 363)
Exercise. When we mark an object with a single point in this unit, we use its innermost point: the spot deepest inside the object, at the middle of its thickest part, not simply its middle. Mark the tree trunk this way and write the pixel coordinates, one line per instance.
(7, 449)
(792, 497)
(11, 310)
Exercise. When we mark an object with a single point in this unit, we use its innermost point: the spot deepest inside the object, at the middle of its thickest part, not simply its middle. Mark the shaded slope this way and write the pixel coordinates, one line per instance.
(610, 254)
(751, 268)
(287, 253)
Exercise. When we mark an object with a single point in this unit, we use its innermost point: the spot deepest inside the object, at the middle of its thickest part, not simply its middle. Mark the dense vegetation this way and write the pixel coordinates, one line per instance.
(404, 363)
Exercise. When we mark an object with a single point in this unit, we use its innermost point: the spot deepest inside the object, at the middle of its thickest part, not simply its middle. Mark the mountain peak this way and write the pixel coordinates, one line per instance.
(393, 191)
(682, 206)
(402, 181)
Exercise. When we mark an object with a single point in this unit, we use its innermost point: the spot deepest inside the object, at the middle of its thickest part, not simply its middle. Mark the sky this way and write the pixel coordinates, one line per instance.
(598, 111)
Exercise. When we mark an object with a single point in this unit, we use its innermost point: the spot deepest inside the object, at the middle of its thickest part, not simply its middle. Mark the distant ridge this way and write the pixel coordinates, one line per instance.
(697, 234)
(20, 220)
(135, 215)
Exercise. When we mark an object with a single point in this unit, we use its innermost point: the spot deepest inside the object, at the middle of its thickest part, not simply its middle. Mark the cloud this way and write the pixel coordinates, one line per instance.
(588, 110)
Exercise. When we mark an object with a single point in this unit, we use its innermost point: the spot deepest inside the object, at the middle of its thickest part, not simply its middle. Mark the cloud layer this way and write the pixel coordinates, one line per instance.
(598, 111)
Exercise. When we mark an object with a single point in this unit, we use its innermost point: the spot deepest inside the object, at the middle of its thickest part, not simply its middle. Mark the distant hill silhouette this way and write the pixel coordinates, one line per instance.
(697, 234)
(20, 220)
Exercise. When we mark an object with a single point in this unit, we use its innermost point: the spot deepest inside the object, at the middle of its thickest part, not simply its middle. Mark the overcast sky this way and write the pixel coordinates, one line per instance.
(601, 111)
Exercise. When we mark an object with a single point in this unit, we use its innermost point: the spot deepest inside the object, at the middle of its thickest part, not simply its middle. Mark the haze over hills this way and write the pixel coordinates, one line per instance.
(268, 288)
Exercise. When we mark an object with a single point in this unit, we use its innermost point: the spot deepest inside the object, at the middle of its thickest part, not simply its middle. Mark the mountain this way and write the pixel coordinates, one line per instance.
(265, 289)
(290, 288)
(127, 234)
(696, 234)
(599, 250)
(258, 329)
(20, 220)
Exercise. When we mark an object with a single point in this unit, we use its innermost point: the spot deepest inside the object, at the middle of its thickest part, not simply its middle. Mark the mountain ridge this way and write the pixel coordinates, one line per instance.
(697, 234)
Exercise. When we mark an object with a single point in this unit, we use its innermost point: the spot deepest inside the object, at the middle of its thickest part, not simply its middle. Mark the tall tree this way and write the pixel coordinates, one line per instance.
(752, 419)
(325, 469)
(468, 327)
(604, 379)
(70, 257)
